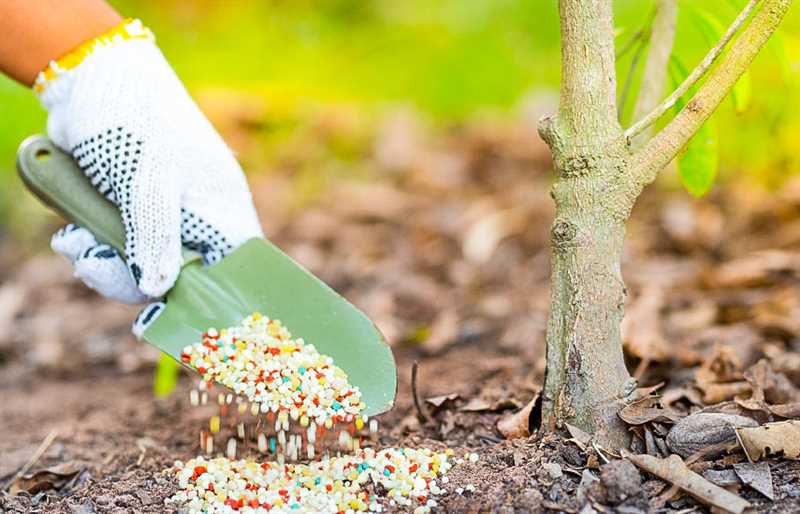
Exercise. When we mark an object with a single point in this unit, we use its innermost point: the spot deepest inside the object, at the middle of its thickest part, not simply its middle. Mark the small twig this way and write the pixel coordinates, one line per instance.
(694, 76)
(664, 497)
(600, 451)
(142, 452)
(34, 458)
(641, 368)
(423, 414)
(714, 449)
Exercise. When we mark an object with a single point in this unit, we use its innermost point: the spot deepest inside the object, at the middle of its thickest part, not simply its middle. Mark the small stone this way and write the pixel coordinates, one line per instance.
(529, 500)
(703, 429)
(573, 455)
(553, 470)
(587, 481)
(621, 480)
(83, 508)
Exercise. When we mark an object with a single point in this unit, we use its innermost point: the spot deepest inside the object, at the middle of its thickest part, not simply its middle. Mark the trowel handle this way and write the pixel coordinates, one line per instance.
(54, 177)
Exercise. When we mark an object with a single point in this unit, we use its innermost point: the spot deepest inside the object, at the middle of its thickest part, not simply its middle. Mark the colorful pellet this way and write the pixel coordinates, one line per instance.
(411, 478)
(288, 386)
(260, 361)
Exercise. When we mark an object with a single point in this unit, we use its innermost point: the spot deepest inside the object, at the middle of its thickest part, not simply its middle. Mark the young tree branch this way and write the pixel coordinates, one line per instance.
(655, 69)
(639, 34)
(696, 74)
(626, 87)
(588, 87)
(647, 162)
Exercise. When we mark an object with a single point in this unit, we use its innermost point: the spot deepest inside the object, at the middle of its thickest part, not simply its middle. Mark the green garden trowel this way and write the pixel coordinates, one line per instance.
(256, 277)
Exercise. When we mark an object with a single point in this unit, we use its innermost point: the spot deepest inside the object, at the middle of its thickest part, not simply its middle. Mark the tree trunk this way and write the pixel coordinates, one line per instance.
(586, 378)
(598, 181)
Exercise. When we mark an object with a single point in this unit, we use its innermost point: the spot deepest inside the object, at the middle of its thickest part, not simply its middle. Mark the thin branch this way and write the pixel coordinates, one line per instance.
(34, 458)
(626, 87)
(655, 69)
(630, 43)
(646, 163)
(694, 76)
(422, 413)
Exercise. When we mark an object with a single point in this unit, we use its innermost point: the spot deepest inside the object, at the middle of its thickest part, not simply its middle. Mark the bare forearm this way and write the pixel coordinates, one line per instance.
(38, 31)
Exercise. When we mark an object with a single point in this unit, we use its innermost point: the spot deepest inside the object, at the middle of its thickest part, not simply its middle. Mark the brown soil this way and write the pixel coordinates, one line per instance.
(467, 300)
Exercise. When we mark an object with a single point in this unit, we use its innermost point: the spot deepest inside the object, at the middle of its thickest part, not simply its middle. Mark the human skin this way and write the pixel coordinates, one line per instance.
(35, 32)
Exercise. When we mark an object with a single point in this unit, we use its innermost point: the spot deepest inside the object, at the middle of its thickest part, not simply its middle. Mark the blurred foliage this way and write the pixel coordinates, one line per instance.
(166, 375)
(451, 59)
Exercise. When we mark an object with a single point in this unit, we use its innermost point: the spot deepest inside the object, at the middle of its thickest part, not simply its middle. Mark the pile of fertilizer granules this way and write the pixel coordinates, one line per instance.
(260, 361)
(279, 379)
(337, 484)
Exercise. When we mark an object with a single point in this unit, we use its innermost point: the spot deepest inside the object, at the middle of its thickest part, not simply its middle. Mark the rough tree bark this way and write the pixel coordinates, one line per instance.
(598, 180)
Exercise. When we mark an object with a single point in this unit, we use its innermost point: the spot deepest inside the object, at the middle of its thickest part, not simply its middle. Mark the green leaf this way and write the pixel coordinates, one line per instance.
(712, 31)
(699, 161)
(166, 376)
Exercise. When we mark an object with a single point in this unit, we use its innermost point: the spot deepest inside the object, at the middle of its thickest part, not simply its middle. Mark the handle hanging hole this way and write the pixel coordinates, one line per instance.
(42, 154)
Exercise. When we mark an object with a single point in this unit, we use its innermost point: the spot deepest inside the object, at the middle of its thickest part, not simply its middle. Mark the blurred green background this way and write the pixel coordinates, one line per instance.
(284, 61)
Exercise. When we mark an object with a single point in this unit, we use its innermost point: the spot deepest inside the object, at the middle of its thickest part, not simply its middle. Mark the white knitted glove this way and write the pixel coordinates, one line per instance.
(98, 265)
(101, 268)
(117, 106)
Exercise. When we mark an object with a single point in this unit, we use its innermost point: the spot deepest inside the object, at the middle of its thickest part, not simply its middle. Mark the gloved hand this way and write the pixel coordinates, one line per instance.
(117, 106)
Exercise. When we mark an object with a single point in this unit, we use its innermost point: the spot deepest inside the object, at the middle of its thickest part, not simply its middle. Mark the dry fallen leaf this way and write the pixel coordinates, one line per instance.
(642, 330)
(674, 470)
(438, 401)
(722, 366)
(646, 410)
(520, 423)
(717, 393)
(492, 398)
(579, 437)
(787, 410)
(50, 478)
(758, 269)
(770, 386)
(672, 396)
(757, 476)
(720, 377)
(772, 438)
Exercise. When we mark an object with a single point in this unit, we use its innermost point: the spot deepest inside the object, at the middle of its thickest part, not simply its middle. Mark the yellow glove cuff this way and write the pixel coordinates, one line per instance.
(127, 30)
